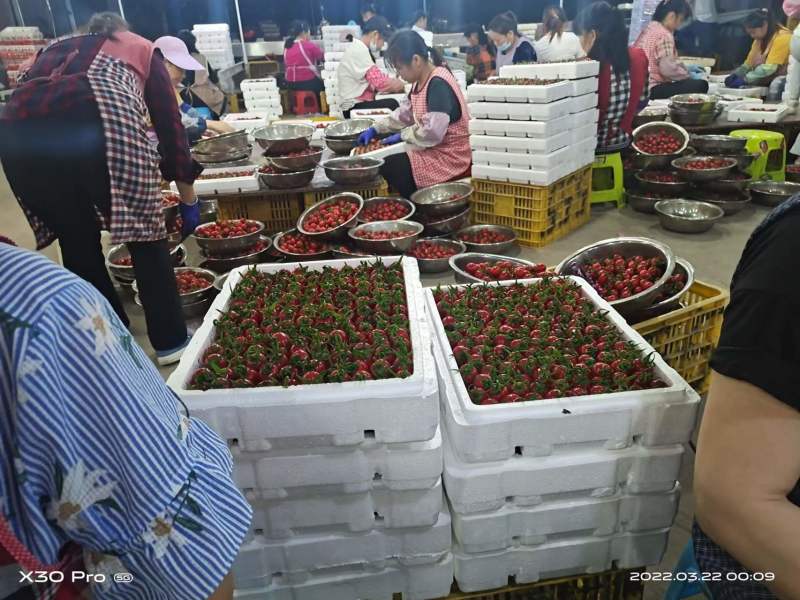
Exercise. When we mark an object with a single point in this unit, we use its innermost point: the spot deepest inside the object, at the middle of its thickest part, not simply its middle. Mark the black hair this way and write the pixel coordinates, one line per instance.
(503, 23)
(379, 24)
(611, 45)
(420, 14)
(679, 7)
(406, 44)
(759, 18)
(295, 29)
(554, 18)
(369, 7)
(107, 23)
(187, 37)
(471, 28)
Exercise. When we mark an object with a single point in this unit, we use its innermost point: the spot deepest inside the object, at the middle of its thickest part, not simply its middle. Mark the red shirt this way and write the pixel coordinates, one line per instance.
(298, 68)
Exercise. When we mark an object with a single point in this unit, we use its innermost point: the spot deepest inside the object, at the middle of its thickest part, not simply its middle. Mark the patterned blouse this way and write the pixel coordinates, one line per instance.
(95, 449)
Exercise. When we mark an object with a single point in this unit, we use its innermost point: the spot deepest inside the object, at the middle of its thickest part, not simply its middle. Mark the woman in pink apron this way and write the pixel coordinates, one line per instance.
(300, 57)
(433, 122)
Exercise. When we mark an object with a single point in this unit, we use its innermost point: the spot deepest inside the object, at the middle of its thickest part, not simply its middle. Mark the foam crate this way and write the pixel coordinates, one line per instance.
(496, 143)
(480, 92)
(579, 87)
(261, 560)
(248, 182)
(246, 121)
(279, 518)
(337, 414)
(584, 103)
(541, 161)
(522, 175)
(748, 92)
(384, 151)
(563, 70)
(264, 104)
(581, 516)
(768, 113)
(334, 56)
(475, 572)
(521, 112)
(533, 129)
(584, 132)
(409, 466)
(370, 113)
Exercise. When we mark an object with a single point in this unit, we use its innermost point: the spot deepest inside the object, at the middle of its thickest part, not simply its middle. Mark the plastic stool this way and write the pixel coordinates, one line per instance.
(304, 103)
(771, 149)
(607, 179)
(686, 589)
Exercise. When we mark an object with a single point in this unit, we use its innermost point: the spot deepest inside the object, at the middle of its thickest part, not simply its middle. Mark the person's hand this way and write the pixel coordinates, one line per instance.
(190, 215)
(696, 72)
(735, 81)
(392, 139)
(367, 136)
(219, 127)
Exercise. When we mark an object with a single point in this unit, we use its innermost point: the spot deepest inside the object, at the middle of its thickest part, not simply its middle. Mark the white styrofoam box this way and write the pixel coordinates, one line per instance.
(718, 78)
(226, 185)
(329, 75)
(587, 85)
(268, 98)
(518, 93)
(340, 414)
(560, 558)
(261, 559)
(656, 417)
(209, 27)
(715, 88)
(384, 151)
(564, 70)
(409, 466)
(331, 65)
(522, 176)
(748, 92)
(581, 133)
(414, 582)
(540, 161)
(532, 129)
(586, 146)
(249, 120)
(335, 30)
(370, 113)
(266, 83)
(269, 106)
(521, 112)
(584, 103)
(334, 56)
(768, 113)
(219, 59)
(494, 143)
(380, 507)
(337, 46)
(574, 516)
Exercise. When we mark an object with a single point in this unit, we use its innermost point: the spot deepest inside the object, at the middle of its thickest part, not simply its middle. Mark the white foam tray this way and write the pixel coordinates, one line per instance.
(246, 121)
(657, 417)
(583, 86)
(410, 466)
(584, 102)
(340, 414)
(521, 112)
(368, 113)
(414, 582)
(271, 96)
(540, 161)
(261, 560)
(476, 572)
(498, 143)
(756, 116)
(265, 83)
(270, 105)
(565, 70)
(384, 151)
(226, 185)
(578, 134)
(573, 516)
(524, 176)
(334, 56)
(532, 129)
(481, 92)
(748, 92)
(305, 514)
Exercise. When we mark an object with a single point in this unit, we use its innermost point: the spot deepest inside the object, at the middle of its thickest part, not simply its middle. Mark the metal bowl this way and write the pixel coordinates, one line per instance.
(446, 225)
(345, 251)
(227, 246)
(172, 211)
(352, 170)
(208, 210)
(730, 202)
(442, 199)
(690, 118)
(224, 159)
(642, 202)
(679, 164)
(718, 144)
(350, 128)
(125, 274)
(743, 161)
(197, 310)
(280, 139)
(650, 114)
(792, 176)
(438, 265)
(627, 247)
(276, 244)
(647, 162)
(496, 248)
(287, 181)
(344, 146)
(459, 262)
(379, 200)
(773, 193)
(296, 164)
(337, 233)
(230, 144)
(672, 189)
(225, 264)
(699, 103)
(688, 216)
(672, 302)
(660, 127)
(220, 281)
(192, 297)
(729, 183)
(411, 230)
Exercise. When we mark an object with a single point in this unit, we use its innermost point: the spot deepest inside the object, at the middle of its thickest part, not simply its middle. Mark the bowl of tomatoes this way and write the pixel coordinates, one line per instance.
(385, 237)
(297, 246)
(271, 177)
(668, 183)
(229, 237)
(330, 219)
(704, 168)
(352, 170)
(660, 138)
(120, 263)
(433, 254)
(438, 226)
(251, 256)
(386, 208)
(669, 298)
(442, 199)
(170, 202)
(301, 160)
(488, 239)
(195, 285)
(476, 267)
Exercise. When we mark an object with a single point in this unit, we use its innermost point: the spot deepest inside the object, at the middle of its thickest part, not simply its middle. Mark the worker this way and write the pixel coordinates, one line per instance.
(300, 58)
(433, 121)
(513, 48)
(359, 77)
(668, 76)
(75, 150)
(769, 54)
(420, 25)
(555, 44)
(792, 91)
(479, 52)
(201, 88)
(622, 83)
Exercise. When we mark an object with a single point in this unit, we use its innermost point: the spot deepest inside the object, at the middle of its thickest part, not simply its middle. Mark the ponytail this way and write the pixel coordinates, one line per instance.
(407, 44)
(553, 19)
(295, 29)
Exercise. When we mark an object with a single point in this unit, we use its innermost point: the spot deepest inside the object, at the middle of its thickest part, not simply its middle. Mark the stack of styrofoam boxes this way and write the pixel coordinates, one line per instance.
(344, 479)
(262, 96)
(461, 78)
(18, 44)
(528, 29)
(334, 40)
(214, 42)
(535, 134)
(560, 487)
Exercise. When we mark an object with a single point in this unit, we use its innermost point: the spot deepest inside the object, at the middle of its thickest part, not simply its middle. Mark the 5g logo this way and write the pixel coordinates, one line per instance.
(123, 577)
(76, 576)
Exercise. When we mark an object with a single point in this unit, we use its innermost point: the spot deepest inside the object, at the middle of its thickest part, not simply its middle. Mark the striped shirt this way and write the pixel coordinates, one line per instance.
(95, 449)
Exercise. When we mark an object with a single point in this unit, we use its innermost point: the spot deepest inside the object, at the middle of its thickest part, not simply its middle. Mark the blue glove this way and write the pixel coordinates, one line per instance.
(366, 137)
(696, 75)
(190, 215)
(696, 69)
(392, 139)
(735, 81)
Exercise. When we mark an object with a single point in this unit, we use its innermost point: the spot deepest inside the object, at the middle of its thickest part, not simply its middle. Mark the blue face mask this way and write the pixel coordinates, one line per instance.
(505, 46)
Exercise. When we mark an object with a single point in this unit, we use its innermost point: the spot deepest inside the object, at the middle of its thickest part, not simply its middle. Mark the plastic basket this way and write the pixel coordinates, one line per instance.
(378, 187)
(686, 337)
(611, 585)
(539, 214)
(278, 212)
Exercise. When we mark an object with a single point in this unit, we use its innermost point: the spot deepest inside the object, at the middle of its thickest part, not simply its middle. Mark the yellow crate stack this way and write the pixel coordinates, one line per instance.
(278, 212)
(376, 188)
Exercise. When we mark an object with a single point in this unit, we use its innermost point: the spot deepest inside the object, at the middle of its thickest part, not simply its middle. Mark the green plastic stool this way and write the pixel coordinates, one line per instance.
(770, 148)
(607, 182)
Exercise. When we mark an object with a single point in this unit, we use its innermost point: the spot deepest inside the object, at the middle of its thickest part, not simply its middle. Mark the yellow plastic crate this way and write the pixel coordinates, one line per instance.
(377, 188)
(686, 337)
(278, 212)
(539, 214)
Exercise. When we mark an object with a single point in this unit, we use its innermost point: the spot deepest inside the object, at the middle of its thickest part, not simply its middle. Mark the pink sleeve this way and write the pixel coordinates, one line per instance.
(314, 52)
(376, 78)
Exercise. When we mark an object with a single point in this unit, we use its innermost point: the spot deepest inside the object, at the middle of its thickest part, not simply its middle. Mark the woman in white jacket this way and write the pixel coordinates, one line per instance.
(555, 44)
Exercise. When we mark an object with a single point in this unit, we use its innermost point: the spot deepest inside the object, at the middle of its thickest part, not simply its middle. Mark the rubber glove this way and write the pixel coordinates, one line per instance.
(392, 139)
(190, 215)
(366, 137)
(696, 75)
(735, 81)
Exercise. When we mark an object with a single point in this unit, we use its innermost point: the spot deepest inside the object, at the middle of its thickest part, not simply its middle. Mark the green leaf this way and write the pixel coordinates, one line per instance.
(109, 503)
(189, 524)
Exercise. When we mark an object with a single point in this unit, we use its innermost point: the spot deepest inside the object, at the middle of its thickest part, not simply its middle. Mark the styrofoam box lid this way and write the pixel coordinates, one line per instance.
(564, 70)
(519, 93)
(203, 27)
(520, 145)
(521, 129)
(583, 86)
(245, 182)
(522, 176)
(584, 102)
(521, 112)
(522, 161)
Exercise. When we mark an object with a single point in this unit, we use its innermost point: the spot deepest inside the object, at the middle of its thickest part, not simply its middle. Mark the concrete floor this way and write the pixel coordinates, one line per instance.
(713, 254)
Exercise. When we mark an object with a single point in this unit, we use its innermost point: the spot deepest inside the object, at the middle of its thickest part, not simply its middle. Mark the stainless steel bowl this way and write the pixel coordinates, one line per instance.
(730, 202)
(690, 118)
(438, 265)
(172, 211)
(349, 128)
(341, 146)
(443, 199)
(459, 262)
(411, 231)
(347, 251)
(700, 103)
(718, 144)
(193, 297)
(650, 114)
(287, 181)
(220, 281)
(672, 189)
(642, 202)
(353, 170)
(226, 246)
(225, 264)
(276, 243)
(446, 225)
(688, 216)
(226, 144)
(673, 301)
(496, 248)
(729, 183)
(647, 162)
(125, 274)
(380, 200)
(660, 127)
(197, 310)
(700, 175)
(743, 161)
(208, 210)
(337, 233)
(627, 247)
(280, 139)
(773, 193)
(296, 164)
(224, 159)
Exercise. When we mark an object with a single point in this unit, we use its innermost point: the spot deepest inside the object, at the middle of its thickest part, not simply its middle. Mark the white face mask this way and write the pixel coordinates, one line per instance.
(505, 46)
(373, 47)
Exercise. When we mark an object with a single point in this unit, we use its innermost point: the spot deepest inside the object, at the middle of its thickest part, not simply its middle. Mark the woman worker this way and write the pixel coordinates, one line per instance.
(769, 54)
(419, 23)
(622, 84)
(556, 45)
(75, 150)
(512, 47)
(200, 88)
(359, 77)
(301, 57)
(433, 122)
(668, 76)
(479, 52)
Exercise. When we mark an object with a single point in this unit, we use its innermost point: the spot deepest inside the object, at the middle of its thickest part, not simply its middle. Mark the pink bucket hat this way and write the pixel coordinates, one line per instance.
(176, 52)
